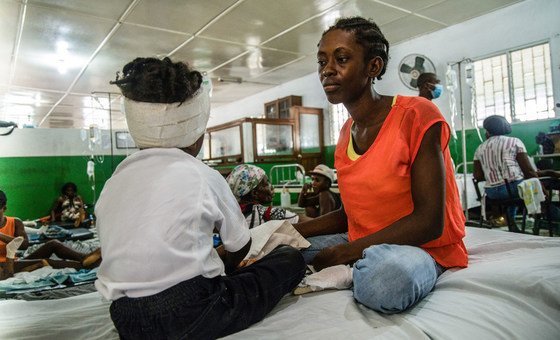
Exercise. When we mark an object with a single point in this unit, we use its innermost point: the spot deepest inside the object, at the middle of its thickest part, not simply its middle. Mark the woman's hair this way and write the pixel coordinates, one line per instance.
(368, 35)
(496, 125)
(158, 81)
(69, 185)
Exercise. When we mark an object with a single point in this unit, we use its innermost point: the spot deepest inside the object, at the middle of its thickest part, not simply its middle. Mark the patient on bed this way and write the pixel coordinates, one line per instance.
(14, 237)
(401, 223)
(253, 191)
(157, 213)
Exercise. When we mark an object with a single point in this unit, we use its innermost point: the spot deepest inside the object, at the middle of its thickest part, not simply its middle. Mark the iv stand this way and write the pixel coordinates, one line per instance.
(463, 136)
(110, 123)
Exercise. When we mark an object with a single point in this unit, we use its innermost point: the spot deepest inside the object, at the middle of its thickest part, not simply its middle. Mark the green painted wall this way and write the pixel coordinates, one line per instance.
(33, 183)
(524, 131)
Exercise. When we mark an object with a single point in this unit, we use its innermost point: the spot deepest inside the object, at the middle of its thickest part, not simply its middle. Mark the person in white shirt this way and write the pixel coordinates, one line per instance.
(157, 213)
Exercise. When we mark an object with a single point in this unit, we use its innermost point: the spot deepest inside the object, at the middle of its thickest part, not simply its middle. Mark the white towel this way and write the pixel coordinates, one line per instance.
(335, 277)
(531, 192)
(269, 235)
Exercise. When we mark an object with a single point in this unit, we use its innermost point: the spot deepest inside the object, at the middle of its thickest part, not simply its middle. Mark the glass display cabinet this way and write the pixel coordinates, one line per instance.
(252, 140)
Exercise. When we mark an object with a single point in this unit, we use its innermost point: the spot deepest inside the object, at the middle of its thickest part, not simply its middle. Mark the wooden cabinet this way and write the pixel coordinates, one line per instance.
(265, 140)
(280, 108)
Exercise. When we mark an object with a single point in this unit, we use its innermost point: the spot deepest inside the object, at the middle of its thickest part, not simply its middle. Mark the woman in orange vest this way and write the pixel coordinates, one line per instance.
(401, 224)
(14, 237)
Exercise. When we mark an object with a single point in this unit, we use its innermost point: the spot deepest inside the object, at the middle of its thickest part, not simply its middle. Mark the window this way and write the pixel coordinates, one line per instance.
(528, 96)
(338, 115)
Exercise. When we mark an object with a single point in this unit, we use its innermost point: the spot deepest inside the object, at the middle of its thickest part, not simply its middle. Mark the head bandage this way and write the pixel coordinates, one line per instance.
(168, 125)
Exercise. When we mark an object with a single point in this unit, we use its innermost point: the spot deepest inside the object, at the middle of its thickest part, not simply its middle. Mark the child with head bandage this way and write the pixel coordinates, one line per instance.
(157, 213)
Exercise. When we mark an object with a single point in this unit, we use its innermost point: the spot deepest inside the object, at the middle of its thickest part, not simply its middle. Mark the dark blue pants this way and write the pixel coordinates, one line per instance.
(202, 308)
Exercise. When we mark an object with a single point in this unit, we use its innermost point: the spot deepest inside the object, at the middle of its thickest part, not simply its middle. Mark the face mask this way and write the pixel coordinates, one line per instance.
(436, 92)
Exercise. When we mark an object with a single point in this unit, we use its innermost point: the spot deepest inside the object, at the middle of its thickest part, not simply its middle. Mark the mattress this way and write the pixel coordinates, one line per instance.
(511, 290)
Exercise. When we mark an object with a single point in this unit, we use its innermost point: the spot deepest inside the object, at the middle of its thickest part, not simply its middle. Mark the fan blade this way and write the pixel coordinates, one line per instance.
(419, 64)
(405, 68)
(413, 83)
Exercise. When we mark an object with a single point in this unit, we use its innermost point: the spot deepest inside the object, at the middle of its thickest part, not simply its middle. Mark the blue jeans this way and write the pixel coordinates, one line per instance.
(203, 308)
(389, 278)
(500, 192)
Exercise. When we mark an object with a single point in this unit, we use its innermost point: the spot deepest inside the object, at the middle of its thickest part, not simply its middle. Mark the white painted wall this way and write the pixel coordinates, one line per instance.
(309, 87)
(56, 142)
(515, 26)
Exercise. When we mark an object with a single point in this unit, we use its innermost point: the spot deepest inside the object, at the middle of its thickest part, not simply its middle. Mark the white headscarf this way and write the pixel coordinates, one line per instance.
(168, 125)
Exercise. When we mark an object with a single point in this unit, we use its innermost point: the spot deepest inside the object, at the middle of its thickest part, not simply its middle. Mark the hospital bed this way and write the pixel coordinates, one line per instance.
(511, 290)
(292, 177)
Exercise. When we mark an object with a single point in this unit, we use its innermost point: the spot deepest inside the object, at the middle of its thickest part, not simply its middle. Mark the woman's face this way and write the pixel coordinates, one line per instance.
(342, 70)
(263, 193)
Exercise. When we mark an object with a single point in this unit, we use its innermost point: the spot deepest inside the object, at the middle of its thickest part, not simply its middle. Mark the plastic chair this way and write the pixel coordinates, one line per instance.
(502, 205)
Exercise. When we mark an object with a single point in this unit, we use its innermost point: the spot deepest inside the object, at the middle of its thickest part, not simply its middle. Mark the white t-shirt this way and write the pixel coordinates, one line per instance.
(155, 220)
(497, 155)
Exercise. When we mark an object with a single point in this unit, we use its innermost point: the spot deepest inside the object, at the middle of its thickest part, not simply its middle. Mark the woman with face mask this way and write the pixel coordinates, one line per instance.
(429, 86)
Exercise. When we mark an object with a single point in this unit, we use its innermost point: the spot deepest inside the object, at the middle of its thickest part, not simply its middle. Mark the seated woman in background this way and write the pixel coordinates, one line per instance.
(501, 158)
(69, 207)
(14, 237)
(321, 200)
(253, 191)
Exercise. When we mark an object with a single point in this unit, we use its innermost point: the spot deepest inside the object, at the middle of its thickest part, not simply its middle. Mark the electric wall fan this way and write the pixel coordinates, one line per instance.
(412, 66)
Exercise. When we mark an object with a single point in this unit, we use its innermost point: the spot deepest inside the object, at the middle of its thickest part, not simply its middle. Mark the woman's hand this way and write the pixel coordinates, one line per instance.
(332, 256)
(305, 189)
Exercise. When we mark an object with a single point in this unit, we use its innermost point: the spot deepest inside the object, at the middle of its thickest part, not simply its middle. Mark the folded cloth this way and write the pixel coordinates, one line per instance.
(335, 277)
(531, 192)
(269, 235)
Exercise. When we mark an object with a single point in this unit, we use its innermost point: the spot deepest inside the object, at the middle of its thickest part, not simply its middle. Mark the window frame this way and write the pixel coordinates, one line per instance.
(508, 53)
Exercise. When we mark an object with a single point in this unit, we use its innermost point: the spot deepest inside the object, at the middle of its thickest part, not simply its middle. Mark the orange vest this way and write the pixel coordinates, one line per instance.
(376, 188)
(10, 230)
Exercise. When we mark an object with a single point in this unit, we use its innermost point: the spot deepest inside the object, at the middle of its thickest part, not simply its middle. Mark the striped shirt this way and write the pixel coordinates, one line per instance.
(497, 156)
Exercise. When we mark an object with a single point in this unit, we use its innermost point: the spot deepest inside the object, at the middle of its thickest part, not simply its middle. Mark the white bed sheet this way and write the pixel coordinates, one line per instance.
(511, 290)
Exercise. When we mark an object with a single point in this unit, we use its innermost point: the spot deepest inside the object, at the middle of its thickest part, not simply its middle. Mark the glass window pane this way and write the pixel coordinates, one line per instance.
(225, 143)
(309, 133)
(338, 115)
(531, 83)
(274, 140)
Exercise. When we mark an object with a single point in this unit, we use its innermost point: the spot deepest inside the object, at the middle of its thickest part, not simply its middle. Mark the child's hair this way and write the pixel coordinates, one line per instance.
(368, 35)
(158, 81)
(69, 185)
(3, 199)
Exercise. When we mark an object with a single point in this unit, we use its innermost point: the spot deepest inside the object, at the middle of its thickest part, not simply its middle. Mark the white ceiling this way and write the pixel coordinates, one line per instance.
(55, 53)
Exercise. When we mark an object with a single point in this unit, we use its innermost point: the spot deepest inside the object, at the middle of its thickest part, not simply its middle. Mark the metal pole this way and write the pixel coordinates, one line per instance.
(111, 132)
(463, 144)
